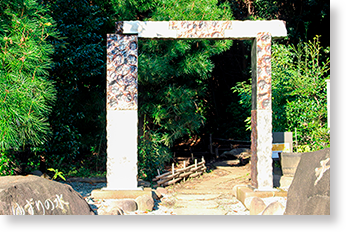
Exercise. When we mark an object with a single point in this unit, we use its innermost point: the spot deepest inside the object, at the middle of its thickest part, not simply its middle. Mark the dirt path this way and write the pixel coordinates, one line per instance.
(211, 194)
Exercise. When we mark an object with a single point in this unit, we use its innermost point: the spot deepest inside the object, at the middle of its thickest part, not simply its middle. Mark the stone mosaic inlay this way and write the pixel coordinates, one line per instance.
(263, 43)
(119, 27)
(122, 72)
(200, 29)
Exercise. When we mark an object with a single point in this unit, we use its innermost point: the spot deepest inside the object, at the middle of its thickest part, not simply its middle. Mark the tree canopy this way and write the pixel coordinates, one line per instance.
(53, 76)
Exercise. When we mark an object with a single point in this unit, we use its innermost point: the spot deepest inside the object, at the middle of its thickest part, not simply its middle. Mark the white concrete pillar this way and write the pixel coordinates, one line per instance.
(122, 112)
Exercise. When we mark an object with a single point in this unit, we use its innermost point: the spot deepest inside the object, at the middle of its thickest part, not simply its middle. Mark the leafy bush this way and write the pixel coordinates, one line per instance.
(299, 96)
(26, 94)
(153, 154)
(78, 118)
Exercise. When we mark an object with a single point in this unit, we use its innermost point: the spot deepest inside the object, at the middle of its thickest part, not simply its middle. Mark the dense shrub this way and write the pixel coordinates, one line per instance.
(78, 118)
(26, 93)
(299, 95)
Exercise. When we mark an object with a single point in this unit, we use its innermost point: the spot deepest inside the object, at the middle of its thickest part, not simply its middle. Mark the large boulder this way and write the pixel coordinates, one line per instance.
(144, 203)
(127, 205)
(33, 195)
(110, 210)
(309, 193)
(274, 208)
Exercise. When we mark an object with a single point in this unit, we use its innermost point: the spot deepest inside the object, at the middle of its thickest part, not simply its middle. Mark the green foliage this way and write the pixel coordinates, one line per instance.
(7, 163)
(304, 19)
(244, 90)
(153, 154)
(299, 101)
(57, 173)
(85, 171)
(172, 75)
(78, 119)
(26, 95)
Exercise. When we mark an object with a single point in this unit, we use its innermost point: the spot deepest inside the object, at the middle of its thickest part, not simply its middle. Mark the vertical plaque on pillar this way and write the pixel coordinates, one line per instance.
(261, 116)
(122, 91)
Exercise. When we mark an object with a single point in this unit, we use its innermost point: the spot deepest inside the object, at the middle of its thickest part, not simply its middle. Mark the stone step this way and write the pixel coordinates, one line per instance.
(207, 191)
(192, 197)
(197, 204)
(198, 211)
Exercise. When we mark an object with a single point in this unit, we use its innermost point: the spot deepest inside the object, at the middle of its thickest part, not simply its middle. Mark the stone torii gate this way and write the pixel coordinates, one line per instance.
(122, 90)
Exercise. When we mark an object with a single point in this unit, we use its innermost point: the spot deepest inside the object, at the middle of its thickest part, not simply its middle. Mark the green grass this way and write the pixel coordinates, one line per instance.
(85, 173)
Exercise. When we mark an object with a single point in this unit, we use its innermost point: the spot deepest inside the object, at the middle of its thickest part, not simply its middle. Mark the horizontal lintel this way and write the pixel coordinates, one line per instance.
(204, 29)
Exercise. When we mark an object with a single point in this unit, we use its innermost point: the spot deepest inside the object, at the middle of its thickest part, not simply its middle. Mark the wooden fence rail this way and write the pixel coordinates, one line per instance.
(176, 175)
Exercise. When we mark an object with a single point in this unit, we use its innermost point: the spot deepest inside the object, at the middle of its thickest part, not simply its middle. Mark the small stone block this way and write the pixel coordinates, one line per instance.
(285, 182)
(156, 196)
(143, 183)
(144, 203)
(162, 191)
(119, 194)
(206, 191)
(126, 205)
(244, 192)
(247, 202)
(257, 205)
(110, 211)
(197, 211)
(275, 208)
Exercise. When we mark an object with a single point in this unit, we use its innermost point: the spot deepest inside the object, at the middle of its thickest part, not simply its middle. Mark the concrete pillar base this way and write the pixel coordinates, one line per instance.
(263, 189)
(120, 194)
(244, 192)
(122, 189)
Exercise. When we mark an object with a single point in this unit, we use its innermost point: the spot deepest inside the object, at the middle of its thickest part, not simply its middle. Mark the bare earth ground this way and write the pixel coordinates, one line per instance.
(211, 193)
(222, 178)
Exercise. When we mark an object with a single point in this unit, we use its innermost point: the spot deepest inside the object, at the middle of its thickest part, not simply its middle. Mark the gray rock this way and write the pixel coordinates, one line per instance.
(155, 196)
(144, 203)
(247, 202)
(199, 211)
(274, 208)
(37, 173)
(125, 204)
(309, 193)
(168, 201)
(160, 191)
(33, 195)
(234, 153)
(110, 211)
(257, 205)
(45, 176)
(143, 183)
